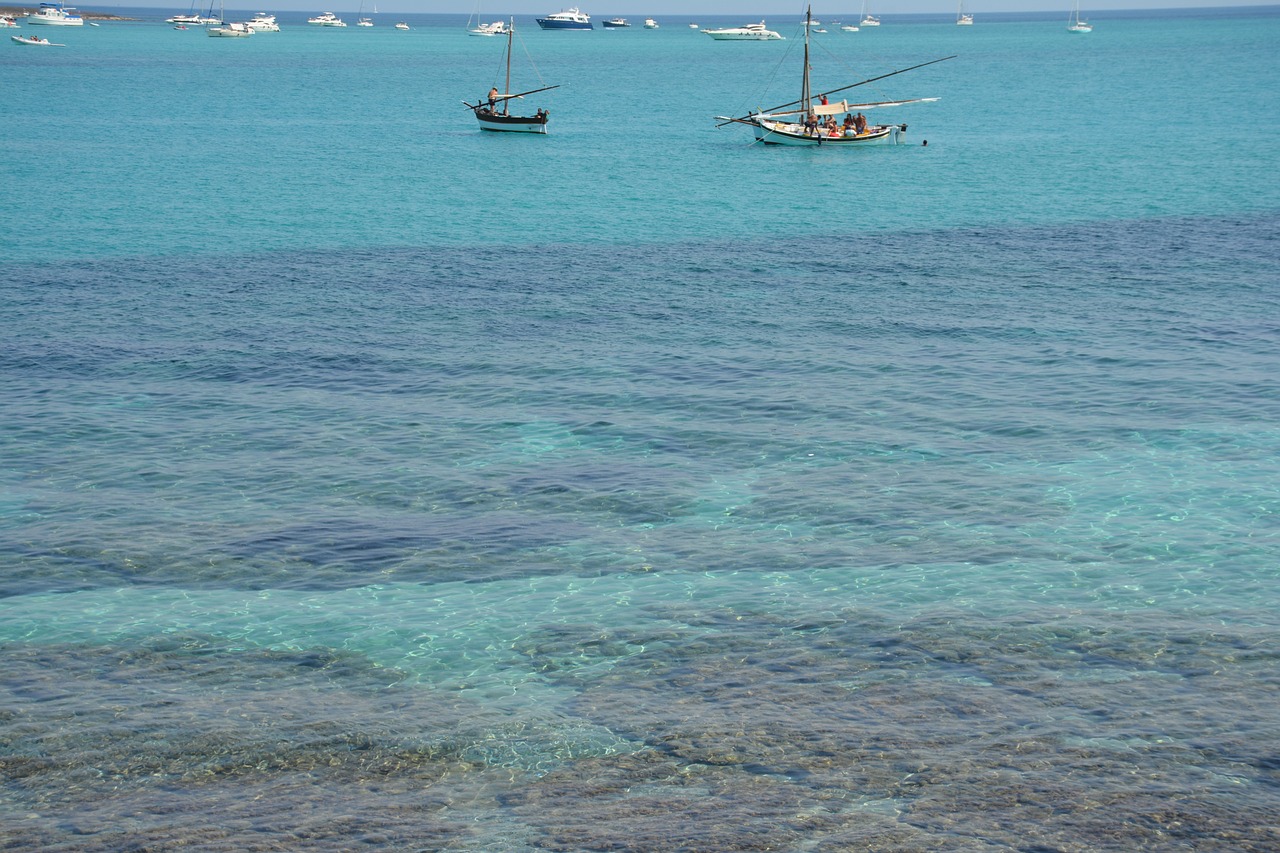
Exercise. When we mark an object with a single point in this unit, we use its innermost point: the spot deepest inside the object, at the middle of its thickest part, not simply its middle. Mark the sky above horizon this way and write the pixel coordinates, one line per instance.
(744, 8)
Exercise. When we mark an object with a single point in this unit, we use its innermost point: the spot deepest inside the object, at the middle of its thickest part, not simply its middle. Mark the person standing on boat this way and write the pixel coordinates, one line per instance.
(493, 98)
(860, 123)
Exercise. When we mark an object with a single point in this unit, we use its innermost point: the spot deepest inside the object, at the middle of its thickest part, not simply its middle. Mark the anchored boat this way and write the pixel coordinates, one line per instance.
(494, 113)
(812, 122)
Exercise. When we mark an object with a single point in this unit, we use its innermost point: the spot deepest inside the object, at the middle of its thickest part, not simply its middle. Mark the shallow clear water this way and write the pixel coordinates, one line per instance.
(369, 479)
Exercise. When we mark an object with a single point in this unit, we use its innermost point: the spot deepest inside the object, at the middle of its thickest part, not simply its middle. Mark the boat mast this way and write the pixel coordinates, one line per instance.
(806, 102)
(511, 34)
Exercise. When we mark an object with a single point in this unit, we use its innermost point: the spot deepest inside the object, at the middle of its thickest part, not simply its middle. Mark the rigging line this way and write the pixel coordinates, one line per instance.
(774, 76)
(525, 48)
(848, 69)
(861, 83)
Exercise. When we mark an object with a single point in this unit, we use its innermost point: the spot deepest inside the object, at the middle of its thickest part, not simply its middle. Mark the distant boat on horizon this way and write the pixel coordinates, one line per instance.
(1075, 24)
(746, 32)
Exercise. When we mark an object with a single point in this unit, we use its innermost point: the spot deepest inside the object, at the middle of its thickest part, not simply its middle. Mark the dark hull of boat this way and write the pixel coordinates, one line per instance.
(548, 24)
(512, 124)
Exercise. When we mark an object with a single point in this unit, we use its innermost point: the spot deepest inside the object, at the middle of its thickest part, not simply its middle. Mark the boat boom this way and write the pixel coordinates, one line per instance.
(854, 86)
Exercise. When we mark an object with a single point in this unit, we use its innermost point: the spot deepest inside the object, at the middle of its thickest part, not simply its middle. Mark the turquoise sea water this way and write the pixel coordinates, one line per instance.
(367, 480)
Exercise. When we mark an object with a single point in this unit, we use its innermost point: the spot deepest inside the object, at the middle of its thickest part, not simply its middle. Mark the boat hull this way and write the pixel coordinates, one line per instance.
(511, 124)
(41, 21)
(554, 24)
(231, 31)
(777, 133)
(765, 36)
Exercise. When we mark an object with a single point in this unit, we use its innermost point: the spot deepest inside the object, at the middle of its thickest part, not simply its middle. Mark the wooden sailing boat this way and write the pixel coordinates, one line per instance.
(494, 113)
(804, 125)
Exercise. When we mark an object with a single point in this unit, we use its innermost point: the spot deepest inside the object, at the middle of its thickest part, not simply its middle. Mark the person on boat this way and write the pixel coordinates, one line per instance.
(860, 123)
(824, 100)
(811, 125)
(848, 123)
(493, 98)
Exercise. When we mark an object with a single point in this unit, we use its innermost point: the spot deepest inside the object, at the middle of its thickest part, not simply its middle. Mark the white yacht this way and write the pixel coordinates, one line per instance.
(746, 32)
(6, 21)
(238, 30)
(328, 19)
(401, 25)
(263, 23)
(55, 15)
(650, 24)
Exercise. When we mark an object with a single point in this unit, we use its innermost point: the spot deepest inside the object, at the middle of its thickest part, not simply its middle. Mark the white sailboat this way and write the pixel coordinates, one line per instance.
(238, 30)
(799, 122)
(476, 28)
(963, 20)
(494, 112)
(361, 20)
(868, 19)
(1074, 24)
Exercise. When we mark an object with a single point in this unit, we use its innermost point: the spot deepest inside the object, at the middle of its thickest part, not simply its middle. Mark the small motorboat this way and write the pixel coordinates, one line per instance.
(615, 23)
(650, 24)
(401, 25)
(35, 40)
